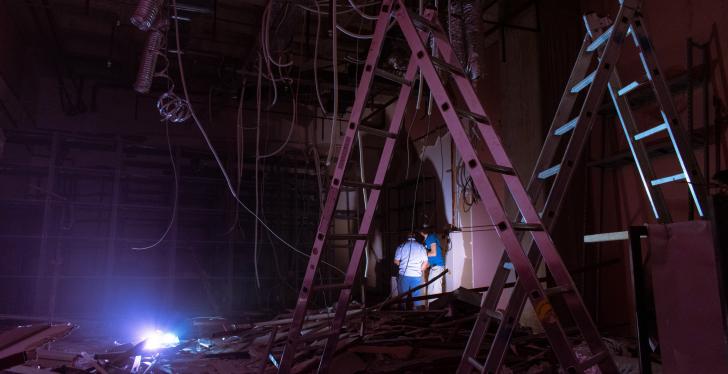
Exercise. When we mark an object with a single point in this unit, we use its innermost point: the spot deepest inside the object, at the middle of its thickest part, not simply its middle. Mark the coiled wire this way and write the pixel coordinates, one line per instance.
(171, 107)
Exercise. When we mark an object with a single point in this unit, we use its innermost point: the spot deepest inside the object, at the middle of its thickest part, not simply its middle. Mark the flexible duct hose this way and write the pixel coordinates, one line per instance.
(145, 14)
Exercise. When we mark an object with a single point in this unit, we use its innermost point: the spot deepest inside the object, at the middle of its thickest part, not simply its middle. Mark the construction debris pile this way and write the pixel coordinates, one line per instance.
(379, 339)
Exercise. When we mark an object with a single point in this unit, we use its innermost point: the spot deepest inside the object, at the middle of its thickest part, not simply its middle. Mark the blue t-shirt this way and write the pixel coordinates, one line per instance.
(437, 259)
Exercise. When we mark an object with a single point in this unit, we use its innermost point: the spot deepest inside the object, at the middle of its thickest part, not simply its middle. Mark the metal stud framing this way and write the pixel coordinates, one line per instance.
(604, 40)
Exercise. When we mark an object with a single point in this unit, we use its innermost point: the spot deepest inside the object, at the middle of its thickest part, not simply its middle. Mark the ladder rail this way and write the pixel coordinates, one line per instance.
(644, 168)
(304, 296)
(385, 159)
(575, 147)
(535, 190)
(547, 156)
(489, 197)
(688, 162)
(554, 198)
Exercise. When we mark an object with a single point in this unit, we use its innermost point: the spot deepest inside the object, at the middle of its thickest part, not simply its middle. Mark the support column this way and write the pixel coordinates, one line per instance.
(113, 227)
(40, 284)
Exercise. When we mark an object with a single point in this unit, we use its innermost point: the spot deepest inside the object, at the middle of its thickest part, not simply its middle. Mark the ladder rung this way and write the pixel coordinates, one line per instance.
(477, 365)
(596, 43)
(391, 77)
(584, 82)
(568, 126)
(593, 360)
(493, 314)
(656, 129)
(550, 172)
(499, 169)
(447, 67)
(422, 23)
(357, 184)
(331, 286)
(347, 237)
(475, 117)
(626, 89)
(669, 179)
(526, 226)
(557, 290)
(317, 336)
(378, 132)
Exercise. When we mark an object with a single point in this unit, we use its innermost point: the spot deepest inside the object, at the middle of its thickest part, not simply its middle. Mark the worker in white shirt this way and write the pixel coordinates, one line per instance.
(411, 257)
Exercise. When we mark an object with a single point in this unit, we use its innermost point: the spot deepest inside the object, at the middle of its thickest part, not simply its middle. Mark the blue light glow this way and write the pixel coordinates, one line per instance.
(157, 339)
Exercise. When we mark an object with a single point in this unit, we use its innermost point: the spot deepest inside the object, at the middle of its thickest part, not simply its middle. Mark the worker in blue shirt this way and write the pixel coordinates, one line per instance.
(435, 258)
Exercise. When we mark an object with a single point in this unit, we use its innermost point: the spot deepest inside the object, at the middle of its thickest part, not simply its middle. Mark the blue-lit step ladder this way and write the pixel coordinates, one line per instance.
(602, 47)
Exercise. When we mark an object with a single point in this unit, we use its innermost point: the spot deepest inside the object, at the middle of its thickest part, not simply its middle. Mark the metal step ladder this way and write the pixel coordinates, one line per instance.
(417, 30)
(602, 44)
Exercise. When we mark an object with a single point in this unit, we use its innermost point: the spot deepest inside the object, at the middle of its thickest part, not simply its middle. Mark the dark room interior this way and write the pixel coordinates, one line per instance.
(354, 186)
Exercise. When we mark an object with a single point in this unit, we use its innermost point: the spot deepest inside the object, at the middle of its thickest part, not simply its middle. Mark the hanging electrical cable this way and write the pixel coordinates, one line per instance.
(417, 180)
(294, 121)
(258, 94)
(361, 12)
(175, 197)
(335, 68)
(240, 145)
(315, 61)
(215, 155)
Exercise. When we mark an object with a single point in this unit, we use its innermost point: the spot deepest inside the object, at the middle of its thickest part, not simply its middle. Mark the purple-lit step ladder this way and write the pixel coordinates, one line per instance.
(437, 72)
(602, 47)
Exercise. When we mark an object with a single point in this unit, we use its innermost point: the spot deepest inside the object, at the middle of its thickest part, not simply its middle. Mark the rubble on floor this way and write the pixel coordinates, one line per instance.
(378, 339)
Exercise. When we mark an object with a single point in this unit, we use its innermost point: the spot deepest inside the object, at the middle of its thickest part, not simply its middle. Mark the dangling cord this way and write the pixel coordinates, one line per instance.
(419, 171)
(224, 173)
(335, 64)
(176, 193)
(257, 160)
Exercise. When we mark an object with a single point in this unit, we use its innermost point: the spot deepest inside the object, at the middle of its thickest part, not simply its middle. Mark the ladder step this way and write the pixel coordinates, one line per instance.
(477, 365)
(584, 83)
(493, 314)
(669, 179)
(357, 184)
(331, 286)
(568, 126)
(630, 87)
(378, 132)
(472, 116)
(656, 129)
(550, 172)
(526, 226)
(558, 290)
(499, 169)
(391, 77)
(347, 237)
(452, 69)
(596, 43)
(317, 336)
(593, 360)
(422, 23)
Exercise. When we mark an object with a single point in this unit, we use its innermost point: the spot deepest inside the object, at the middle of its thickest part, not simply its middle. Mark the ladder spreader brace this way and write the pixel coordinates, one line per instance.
(416, 30)
(604, 40)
